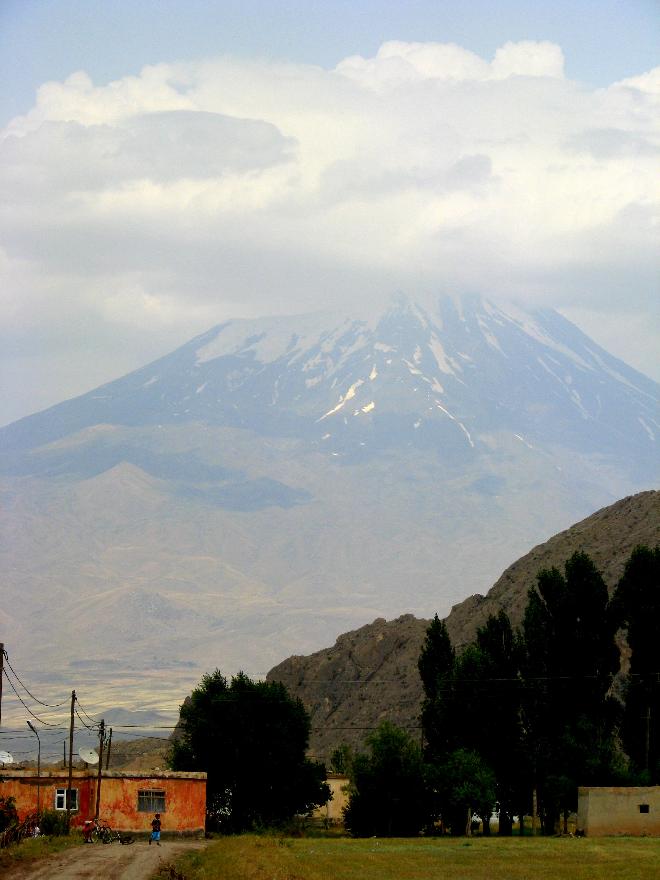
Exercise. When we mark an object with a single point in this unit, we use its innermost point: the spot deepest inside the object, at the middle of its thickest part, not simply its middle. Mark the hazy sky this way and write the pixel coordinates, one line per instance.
(166, 165)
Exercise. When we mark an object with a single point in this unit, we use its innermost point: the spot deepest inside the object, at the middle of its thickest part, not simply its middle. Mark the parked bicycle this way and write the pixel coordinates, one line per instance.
(95, 831)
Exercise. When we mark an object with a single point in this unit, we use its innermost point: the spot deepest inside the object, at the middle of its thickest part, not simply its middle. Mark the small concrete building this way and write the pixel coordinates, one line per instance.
(128, 799)
(332, 813)
(633, 811)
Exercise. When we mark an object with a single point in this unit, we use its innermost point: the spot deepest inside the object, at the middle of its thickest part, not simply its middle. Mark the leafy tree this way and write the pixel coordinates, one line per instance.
(570, 660)
(389, 793)
(341, 759)
(466, 787)
(250, 737)
(496, 727)
(637, 600)
(473, 703)
(436, 669)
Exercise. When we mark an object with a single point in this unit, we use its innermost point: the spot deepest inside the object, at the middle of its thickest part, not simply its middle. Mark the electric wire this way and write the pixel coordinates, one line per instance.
(25, 688)
(89, 717)
(83, 722)
(21, 700)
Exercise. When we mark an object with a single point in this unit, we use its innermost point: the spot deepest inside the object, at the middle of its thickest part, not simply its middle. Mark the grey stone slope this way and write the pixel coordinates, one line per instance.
(370, 674)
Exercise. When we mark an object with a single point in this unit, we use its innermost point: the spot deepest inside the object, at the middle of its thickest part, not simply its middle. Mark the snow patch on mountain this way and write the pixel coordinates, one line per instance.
(445, 363)
(350, 394)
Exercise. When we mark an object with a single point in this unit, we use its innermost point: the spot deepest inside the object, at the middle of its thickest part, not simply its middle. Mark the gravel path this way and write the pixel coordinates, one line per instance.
(104, 862)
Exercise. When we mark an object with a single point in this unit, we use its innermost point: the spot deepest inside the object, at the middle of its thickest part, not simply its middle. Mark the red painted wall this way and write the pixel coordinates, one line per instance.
(185, 797)
(23, 786)
(185, 802)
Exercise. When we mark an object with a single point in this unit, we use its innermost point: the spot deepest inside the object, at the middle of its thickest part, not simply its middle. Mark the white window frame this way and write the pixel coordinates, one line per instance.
(60, 799)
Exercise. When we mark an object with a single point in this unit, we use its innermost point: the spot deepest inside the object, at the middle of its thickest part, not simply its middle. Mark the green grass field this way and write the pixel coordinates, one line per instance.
(251, 857)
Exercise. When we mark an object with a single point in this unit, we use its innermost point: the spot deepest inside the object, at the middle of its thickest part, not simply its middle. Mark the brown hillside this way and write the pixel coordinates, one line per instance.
(370, 674)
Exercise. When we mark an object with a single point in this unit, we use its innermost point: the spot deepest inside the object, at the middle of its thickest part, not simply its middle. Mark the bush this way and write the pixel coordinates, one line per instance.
(8, 814)
(52, 823)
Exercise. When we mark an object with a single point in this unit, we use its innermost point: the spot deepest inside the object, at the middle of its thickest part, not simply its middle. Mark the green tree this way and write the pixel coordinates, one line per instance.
(389, 793)
(637, 600)
(466, 786)
(489, 672)
(570, 660)
(436, 670)
(341, 759)
(250, 737)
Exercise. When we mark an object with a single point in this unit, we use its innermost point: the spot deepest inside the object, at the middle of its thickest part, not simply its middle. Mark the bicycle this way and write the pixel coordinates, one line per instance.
(95, 831)
(109, 834)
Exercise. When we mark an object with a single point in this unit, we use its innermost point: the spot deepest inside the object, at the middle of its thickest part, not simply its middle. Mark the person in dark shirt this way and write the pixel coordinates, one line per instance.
(155, 830)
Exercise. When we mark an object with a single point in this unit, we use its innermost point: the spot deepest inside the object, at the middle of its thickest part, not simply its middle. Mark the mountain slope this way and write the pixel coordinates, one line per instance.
(370, 674)
(446, 379)
(274, 482)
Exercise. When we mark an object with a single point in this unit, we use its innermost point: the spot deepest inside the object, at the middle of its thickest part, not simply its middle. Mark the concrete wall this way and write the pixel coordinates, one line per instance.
(185, 801)
(611, 811)
(185, 797)
(26, 787)
(333, 811)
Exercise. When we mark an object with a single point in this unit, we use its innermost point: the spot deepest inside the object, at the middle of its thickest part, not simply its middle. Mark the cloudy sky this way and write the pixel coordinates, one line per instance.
(167, 165)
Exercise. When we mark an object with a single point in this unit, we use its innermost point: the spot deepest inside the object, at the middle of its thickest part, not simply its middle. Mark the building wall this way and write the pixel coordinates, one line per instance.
(333, 811)
(24, 786)
(611, 811)
(185, 797)
(185, 801)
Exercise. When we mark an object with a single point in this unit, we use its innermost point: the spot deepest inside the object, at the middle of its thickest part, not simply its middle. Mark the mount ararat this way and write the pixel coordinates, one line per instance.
(275, 482)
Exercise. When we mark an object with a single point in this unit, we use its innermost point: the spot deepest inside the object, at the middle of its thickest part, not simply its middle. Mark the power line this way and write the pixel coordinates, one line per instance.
(89, 718)
(82, 721)
(40, 720)
(145, 726)
(36, 699)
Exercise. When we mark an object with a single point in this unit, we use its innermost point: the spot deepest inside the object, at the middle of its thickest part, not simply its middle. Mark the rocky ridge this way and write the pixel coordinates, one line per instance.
(370, 674)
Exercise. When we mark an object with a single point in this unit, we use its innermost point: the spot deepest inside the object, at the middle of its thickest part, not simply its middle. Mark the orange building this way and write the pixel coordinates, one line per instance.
(128, 799)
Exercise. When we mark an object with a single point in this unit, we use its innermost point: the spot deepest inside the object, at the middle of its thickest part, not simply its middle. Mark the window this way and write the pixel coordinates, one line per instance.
(60, 798)
(643, 808)
(151, 801)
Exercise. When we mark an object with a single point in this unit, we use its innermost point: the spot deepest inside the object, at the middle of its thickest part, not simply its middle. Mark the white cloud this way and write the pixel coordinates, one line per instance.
(196, 191)
(399, 62)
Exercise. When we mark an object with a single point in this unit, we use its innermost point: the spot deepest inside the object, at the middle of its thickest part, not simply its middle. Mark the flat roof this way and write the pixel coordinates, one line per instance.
(106, 774)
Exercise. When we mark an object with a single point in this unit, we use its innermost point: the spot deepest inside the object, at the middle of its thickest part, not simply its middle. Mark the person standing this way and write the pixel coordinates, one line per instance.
(155, 830)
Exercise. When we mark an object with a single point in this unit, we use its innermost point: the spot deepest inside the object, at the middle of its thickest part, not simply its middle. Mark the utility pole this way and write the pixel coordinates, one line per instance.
(107, 754)
(68, 791)
(34, 731)
(100, 771)
(2, 669)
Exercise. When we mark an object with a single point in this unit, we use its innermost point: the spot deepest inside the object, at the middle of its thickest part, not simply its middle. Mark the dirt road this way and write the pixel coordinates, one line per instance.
(105, 862)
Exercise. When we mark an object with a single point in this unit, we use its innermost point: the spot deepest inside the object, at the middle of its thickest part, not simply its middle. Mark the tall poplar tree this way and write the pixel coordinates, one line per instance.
(638, 600)
(570, 660)
(436, 666)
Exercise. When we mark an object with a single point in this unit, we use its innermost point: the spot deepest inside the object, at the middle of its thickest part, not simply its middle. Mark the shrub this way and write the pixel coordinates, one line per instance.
(8, 814)
(52, 823)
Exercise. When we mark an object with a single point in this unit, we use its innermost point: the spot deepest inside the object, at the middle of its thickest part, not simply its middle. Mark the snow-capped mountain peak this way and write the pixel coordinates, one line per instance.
(450, 375)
